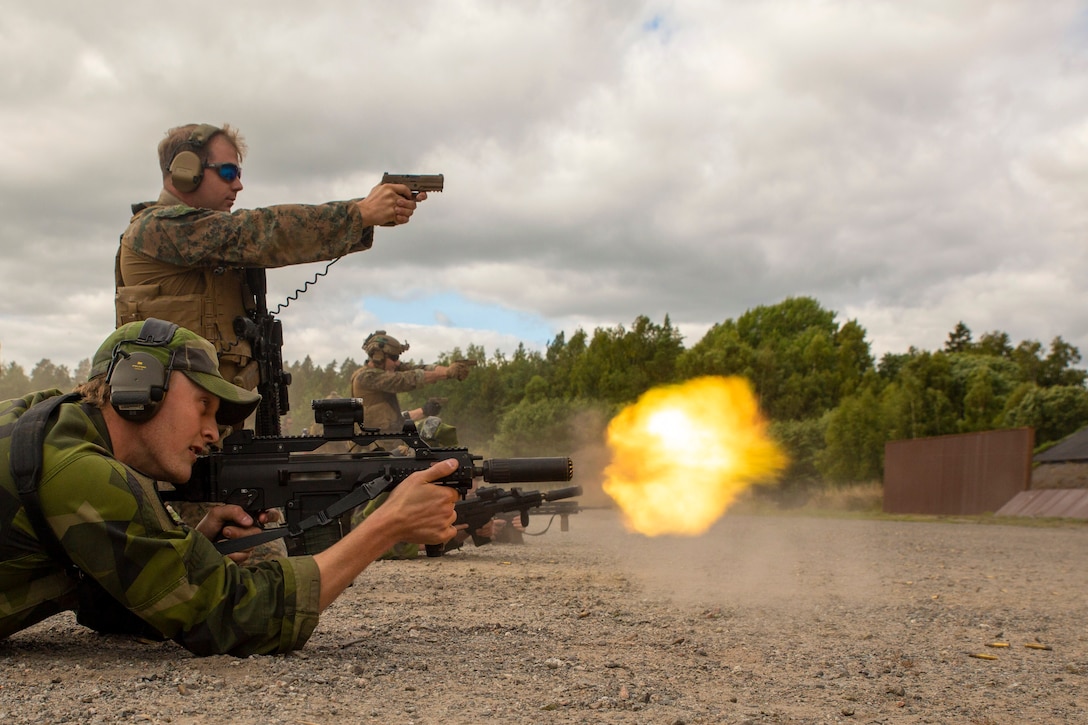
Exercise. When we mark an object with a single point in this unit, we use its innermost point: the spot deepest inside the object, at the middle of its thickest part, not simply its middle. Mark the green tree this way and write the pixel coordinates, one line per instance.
(472, 405)
(856, 432)
(959, 340)
(891, 364)
(477, 403)
(854, 358)
(619, 365)
(917, 403)
(83, 371)
(561, 358)
(13, 382)
(1028, 358)
(980, 402)
(801, 441)
(46, 375)
(978, 388)
(549, 427)
(1053, 412)
(995, 343)
(720, 352)
(1057, 368)
(798, 359)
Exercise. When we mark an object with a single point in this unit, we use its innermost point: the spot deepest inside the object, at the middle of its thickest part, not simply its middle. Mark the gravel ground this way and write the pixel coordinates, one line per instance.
(765, 619)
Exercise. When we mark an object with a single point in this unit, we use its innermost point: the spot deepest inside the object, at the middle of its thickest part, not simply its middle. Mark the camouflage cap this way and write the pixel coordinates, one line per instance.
(186, 352)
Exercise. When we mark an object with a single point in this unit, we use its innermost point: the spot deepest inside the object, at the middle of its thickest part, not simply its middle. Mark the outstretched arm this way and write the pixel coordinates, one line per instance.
(417, 511)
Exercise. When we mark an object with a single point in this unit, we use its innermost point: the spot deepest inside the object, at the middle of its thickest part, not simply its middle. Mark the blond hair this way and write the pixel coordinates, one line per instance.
(95, 391)
(179, 139)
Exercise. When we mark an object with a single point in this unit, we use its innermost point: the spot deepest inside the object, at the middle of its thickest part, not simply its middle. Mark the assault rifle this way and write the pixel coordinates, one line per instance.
(264, 333)
(317, 490)
(493, 501)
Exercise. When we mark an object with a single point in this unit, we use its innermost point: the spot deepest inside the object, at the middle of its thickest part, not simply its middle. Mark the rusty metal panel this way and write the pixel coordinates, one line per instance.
(1069, 503)
(970, 473)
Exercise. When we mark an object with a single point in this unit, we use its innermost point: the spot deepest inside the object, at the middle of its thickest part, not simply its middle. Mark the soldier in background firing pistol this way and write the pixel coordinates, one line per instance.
(377, 384)
(383, 376)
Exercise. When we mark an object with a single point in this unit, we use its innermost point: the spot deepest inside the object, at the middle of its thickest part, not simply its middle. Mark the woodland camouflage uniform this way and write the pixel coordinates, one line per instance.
(187, 265)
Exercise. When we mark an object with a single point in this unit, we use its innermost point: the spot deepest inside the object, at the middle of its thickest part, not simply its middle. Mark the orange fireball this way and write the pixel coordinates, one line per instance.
(681, 454)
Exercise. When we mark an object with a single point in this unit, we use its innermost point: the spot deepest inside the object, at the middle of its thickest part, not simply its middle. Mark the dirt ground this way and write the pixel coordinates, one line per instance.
(765, 619)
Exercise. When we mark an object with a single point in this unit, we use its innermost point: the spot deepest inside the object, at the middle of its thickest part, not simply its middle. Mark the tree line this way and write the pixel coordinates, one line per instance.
(831, 404)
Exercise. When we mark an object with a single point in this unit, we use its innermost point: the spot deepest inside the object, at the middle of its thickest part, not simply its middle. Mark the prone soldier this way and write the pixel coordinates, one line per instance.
(83, 472)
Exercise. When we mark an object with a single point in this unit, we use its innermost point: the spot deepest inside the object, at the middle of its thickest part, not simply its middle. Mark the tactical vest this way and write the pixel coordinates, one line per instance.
(213, 298)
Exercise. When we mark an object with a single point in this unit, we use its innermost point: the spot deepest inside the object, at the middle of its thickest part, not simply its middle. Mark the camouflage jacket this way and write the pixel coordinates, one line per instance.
(378, 390)
(273, 236)
(110, 522)
(187, 265)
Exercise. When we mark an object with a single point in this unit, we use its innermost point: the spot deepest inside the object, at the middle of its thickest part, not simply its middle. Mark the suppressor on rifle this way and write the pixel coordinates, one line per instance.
(561, 493)
(526, 470)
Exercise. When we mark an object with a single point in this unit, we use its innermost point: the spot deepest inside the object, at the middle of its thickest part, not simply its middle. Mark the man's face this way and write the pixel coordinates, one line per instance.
(392, 362)
(214, 193)
(166, 446)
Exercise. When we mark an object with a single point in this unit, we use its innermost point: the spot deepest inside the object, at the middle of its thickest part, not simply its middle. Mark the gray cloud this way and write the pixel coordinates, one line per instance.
(909, 165)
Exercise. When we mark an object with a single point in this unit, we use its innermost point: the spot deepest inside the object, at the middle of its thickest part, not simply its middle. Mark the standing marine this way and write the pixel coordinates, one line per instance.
(185, 257)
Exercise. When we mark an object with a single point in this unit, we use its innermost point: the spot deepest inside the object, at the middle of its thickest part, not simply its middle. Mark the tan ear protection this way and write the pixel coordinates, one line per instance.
(138, 380)
(187, 170)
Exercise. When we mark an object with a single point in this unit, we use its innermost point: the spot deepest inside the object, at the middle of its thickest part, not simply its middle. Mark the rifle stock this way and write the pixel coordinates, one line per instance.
(562, 509)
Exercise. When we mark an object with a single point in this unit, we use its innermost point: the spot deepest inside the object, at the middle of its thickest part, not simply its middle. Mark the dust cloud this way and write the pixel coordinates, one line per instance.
(760, 561)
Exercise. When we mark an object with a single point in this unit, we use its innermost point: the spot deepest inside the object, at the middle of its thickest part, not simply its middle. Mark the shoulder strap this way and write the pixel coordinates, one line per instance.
(118, 278)
(27, 438)
(359, 495)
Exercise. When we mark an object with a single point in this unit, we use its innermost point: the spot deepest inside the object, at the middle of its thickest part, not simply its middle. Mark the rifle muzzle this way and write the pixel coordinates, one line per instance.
(526, 470)
(568, 492)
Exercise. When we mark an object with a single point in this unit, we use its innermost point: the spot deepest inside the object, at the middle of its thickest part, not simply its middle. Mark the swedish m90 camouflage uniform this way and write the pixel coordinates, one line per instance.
(187, 265)
(110, 522)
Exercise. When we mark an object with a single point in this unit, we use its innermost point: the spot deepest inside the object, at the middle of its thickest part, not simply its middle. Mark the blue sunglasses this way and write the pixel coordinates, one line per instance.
(227, 172)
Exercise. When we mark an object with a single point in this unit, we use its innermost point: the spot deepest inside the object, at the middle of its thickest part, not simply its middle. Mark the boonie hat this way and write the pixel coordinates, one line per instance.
(186, 352)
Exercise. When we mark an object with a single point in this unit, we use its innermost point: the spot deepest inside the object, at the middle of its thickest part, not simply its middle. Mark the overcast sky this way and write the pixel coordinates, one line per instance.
(908, 164)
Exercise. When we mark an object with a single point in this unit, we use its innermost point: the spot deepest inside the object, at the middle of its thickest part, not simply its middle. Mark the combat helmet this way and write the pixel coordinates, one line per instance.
(378, 344)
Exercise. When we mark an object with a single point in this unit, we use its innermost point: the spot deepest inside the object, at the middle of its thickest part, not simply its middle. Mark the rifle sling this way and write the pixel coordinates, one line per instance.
(358, 496)
(27, 438)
